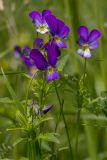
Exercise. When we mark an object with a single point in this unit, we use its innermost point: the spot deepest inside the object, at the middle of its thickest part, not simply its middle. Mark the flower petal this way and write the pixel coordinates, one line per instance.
(27, 61)
(52, 54)
(52, 23)
(47, 109)
(26, 51)
(36, 18)
(93, 45)
(38, 42)
(87, 53)
(94, 35)
(83, 32)
(17, 52)
(80, 41)
(80, 52)
(39, 59)
(45, 13)
(64, 31)
(51, 76)
(61, 44)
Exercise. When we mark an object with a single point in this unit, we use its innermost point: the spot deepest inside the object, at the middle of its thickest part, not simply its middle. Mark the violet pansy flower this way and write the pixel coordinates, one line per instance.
(58, 30)
(39, 20)
(46, 109)
(46, 63)
(88, 41)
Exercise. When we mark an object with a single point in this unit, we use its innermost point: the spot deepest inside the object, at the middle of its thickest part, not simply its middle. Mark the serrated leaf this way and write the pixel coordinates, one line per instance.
(49, 137)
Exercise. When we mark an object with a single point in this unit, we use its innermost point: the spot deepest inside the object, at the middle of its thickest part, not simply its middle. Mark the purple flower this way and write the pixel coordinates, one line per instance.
(38, 43)
(26, 57)
(17, 52)
(47, 108)
(88, 41)
(58, 30)
(46, 63)
(39, 20)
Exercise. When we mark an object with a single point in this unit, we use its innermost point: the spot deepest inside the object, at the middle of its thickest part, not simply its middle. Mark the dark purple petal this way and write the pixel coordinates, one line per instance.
(64, 31)
(80, 41)
(61, 44)
(52, 23)
(52, 54)
(38, 42)
(60, 25)
(83, 32)
(47, 109)
(52, 75)
(39, 59)
(93, 45)
(94, 35)
(45, 13)
(17, 52)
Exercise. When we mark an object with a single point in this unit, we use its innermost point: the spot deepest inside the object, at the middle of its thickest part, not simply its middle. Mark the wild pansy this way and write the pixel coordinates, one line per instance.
(58, 30)
(88, 41)
(46, 62)
(39, 20)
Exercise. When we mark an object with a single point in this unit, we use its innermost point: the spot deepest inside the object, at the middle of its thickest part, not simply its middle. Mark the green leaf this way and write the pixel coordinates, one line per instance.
(22, 119)
(6, 100)
(19, 140)
(49, 137)
(62, 62)
(12, 93)
(43, 119)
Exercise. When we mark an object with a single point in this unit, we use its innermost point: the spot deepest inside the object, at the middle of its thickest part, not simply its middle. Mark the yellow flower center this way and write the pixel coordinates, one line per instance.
(85, 47)
(50, 70)
(33, 70)
(42, 28)
(57, 39)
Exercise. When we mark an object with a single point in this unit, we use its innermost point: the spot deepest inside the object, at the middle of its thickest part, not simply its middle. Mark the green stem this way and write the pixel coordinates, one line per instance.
(64, 120)
(80, 104)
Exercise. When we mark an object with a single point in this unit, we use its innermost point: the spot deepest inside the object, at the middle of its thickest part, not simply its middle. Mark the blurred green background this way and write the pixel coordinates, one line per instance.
(16, 28)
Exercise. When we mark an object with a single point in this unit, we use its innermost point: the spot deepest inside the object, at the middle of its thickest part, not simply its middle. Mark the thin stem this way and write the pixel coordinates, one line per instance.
(64, 120)
(80, 103)
(27, 93)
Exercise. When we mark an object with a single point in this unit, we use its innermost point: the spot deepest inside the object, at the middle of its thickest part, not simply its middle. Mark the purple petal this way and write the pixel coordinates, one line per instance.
(45, 13)
(52, 54)
(47, 109)
(51, 74)
(64, 32)
(27, 61)
(38, 42)
(17, 52)
(26, 51)
(52, 23)
(39, 59)
(36, 18)
(83, 32)
(61, 44)
(94, 35)
(60, 25)
(80, 41)
(93, 45)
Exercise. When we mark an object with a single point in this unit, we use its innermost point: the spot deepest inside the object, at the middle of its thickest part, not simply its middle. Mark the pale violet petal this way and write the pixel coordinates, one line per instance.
(80, 52)
(87, 53)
